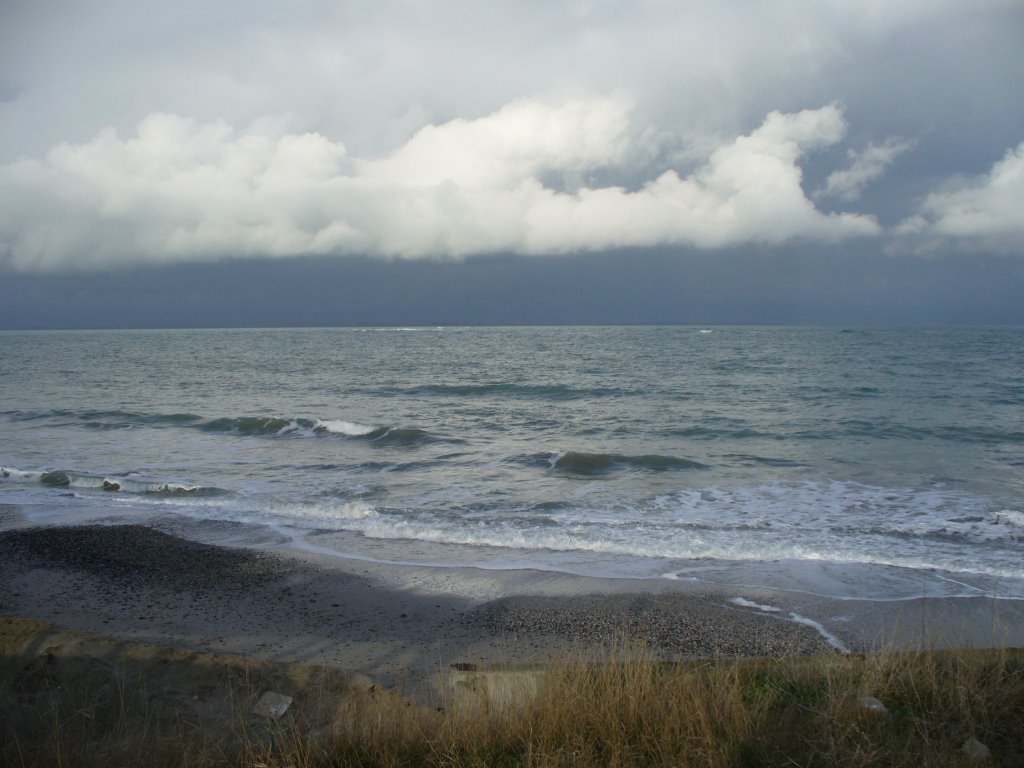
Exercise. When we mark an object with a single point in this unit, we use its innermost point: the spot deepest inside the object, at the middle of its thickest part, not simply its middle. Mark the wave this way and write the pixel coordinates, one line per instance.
(580, 463)
(274, 426)
(257, 426)
(640, 540)
(10, 473)
(60, 478)
(320, 516)
(713, 433)
(106, 419)
(558, 392)
(376, 435)
(860, 428)
(1011, 517)
(767, 461)
(951, 433)
(404, 436)
(346, 428)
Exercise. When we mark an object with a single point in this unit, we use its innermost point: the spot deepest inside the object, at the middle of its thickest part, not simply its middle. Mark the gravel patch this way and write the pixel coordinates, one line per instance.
(670, 625)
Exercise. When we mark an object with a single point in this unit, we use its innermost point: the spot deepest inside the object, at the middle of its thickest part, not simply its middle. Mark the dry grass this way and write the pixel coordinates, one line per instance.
(628, 711)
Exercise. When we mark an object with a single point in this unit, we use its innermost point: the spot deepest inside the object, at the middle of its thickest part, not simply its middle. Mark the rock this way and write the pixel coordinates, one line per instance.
(272, 704)
(110, 485)
(975, 750)
(872, 704)
(486, 690)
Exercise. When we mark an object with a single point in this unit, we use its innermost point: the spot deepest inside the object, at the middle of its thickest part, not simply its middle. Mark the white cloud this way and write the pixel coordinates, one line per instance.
(865, 167)
(985, 212)
(183, 190)
(519, 141)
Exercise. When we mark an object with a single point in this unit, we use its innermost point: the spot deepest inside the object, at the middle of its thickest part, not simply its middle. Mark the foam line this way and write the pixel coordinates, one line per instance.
(743, 602)
(831, 639)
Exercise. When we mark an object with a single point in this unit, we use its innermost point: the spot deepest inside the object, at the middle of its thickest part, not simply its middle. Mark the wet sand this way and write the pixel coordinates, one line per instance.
(402, 625)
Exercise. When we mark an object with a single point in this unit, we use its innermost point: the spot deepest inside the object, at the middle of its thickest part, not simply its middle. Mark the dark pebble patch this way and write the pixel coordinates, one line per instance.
(137, 554)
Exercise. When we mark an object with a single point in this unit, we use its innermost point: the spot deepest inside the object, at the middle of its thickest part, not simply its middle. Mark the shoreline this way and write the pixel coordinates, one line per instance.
(401, 625)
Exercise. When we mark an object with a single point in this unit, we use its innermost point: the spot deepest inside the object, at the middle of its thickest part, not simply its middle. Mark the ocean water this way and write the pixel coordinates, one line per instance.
(860, 463)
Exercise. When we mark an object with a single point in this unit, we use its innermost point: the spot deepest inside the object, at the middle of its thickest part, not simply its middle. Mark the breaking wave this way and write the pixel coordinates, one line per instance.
(662, 540)
(256, 426)
(274, 426)
(346, 428)
(1012, 517)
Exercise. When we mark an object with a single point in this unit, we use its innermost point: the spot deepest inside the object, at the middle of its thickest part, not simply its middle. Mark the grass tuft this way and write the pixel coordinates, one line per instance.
(626, 710)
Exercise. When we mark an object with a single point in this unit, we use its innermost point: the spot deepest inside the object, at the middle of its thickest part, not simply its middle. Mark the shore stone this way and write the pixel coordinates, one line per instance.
(272, 704)
(872, 704)
(975, 750)
(485, 690)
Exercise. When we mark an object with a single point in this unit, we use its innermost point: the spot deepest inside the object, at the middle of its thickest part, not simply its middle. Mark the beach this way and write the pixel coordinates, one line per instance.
(130, 643)
(404, 626)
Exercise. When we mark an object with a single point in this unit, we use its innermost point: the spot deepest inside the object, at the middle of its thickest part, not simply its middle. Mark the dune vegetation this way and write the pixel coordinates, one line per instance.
(930, 708)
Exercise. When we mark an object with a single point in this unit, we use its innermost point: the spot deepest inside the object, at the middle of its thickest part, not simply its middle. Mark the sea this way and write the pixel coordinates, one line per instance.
(855, 463)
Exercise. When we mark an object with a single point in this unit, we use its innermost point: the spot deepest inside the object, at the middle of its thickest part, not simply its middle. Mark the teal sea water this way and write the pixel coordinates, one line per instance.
(870, 463)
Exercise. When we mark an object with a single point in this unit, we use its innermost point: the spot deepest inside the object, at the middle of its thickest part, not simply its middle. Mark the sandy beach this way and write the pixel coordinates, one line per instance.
(401, 625)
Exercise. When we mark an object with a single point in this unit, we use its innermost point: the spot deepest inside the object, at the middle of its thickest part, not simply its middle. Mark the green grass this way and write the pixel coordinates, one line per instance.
(629, 711)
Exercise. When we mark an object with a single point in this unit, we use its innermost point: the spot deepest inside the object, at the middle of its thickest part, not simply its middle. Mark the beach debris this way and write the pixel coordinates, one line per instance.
(272, 704)
(872, 704)
(975, 750)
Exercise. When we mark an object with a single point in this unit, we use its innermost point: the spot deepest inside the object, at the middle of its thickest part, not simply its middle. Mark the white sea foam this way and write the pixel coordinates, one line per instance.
(10, 473)
(1013, 517)
(171, 488)
(341, 427)
(744, 603)
(836, 511)
(680, 533)
(322, 515)
(620, 540)
(832, 640)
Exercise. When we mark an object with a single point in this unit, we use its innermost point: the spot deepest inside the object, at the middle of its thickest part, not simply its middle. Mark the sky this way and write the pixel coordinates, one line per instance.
(566, 161)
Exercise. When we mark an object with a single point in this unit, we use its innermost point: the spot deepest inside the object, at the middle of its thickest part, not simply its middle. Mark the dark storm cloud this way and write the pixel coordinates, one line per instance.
(798, 286)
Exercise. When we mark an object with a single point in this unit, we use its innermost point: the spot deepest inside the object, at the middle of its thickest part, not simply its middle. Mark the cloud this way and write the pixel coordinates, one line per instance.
(375, 72)
(182, 190)
(865, 167)
(518, 142)
(985, 212)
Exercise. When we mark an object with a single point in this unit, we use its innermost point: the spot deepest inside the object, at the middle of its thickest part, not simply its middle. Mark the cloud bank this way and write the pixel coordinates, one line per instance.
(522, 179)
(139, 134)
(986, 212)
